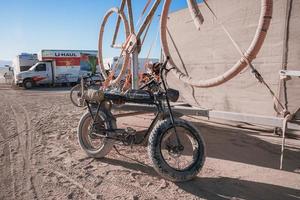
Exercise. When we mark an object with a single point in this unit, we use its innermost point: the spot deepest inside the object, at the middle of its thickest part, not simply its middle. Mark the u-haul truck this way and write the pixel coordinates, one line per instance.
(58, 66)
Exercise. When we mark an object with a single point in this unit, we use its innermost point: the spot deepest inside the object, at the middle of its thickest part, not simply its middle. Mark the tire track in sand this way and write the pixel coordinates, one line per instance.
(8, 168)
(23, 124)
(7, 148)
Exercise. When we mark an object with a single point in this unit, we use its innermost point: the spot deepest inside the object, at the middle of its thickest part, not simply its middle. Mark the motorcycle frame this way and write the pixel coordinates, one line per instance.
(160, 114)
(158, 102)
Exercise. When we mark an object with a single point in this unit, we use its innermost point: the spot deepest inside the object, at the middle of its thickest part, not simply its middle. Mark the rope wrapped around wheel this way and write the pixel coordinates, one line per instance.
(246, 58)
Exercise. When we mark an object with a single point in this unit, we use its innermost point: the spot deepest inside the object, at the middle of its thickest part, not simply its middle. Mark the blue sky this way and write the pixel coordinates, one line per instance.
(32, 25)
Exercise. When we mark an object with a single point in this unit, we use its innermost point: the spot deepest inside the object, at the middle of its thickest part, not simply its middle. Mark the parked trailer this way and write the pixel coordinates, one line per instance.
(209, 52)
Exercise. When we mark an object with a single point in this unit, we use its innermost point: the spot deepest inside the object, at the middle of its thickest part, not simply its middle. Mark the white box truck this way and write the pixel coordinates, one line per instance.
(57, 67)
(23, 62)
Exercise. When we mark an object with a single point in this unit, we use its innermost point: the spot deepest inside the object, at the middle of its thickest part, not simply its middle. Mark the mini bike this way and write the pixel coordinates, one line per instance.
(175, 147)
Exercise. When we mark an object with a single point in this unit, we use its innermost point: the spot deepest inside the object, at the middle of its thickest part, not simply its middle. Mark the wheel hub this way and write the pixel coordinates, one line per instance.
(94, 129)
(175, 149)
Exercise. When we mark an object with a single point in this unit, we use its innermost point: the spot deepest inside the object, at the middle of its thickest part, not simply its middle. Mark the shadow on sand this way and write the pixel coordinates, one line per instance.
(219, 187)
(247, 146)
(45, 88)
(237, 145)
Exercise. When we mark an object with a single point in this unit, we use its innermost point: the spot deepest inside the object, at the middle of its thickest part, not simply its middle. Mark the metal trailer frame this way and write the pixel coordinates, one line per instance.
(271, 121)
(276, 122)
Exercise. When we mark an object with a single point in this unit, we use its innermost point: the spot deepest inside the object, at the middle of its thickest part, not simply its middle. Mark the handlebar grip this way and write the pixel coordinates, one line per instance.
(195, 13)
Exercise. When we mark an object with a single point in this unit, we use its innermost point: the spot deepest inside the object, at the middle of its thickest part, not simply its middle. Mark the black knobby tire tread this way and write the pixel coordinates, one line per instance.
(160, 165)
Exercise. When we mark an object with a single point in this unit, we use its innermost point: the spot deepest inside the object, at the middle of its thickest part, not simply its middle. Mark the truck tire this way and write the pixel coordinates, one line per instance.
(28, 84)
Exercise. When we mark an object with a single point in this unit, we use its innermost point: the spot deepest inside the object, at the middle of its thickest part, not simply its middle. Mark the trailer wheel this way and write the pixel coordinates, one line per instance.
(28, 84)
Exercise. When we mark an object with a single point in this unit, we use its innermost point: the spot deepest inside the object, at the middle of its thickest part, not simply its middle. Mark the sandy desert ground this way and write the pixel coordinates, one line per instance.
(40, 158)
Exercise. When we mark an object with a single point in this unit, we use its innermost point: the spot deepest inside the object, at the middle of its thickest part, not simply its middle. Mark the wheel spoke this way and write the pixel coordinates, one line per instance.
(179, 156)
(174, 162)
(91, 140)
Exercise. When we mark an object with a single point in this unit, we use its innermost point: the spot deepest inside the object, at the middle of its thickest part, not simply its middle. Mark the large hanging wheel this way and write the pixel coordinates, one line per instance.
(249, 55)
(124, 56)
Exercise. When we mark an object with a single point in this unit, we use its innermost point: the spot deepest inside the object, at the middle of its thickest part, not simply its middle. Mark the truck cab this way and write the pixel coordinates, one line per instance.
(40, 73)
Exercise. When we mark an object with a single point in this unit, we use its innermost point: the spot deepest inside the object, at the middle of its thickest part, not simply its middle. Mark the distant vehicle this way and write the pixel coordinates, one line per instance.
(55, 67)
(6, 74)
(23, 62)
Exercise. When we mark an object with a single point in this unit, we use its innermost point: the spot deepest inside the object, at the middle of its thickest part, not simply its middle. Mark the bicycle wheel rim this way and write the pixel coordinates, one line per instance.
(88, 141)
(249, 55)
(186, 137)
(100, 43)
(76, 90)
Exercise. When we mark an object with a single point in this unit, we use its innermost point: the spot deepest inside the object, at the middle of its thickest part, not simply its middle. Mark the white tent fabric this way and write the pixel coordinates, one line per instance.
(208, 53)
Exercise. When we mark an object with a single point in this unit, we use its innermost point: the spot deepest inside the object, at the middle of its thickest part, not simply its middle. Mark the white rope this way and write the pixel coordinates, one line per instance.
(153, 45)
(250, 54)
(143, 12)
(260, 78)
(284, 129)
(238, 48)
